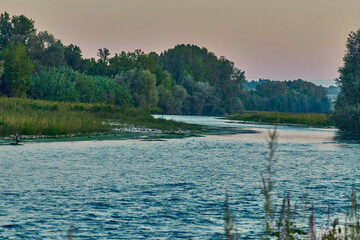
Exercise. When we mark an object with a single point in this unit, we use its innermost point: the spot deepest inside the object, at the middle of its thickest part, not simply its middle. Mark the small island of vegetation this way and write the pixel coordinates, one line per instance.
(274, 118)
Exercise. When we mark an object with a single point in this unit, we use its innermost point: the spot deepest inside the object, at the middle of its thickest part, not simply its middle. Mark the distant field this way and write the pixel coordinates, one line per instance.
(46, 118)
(306, 119)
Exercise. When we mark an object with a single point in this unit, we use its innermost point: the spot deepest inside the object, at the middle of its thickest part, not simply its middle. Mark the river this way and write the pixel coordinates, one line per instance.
(172, 189)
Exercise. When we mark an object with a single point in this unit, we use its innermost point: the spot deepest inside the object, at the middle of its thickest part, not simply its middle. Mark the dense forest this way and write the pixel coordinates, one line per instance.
(287, 96)
(186, 79)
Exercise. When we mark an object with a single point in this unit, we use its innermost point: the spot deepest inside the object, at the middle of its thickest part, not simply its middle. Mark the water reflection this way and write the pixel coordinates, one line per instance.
(168, 189)
(287, 133)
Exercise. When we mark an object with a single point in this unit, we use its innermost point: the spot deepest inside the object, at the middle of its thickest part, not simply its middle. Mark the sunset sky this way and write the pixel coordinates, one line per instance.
(276, 39)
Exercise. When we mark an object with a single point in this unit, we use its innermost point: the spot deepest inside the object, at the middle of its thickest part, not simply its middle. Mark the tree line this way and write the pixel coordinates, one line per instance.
(186, 79)
(296, 96)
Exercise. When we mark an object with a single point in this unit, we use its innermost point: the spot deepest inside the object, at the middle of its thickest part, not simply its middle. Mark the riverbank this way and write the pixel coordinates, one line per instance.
(278, 118)
(38, 120)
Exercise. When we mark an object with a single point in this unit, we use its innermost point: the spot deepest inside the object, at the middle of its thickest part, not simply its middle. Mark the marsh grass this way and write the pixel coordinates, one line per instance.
(30, 117)
(229, 221)
(38, 117)
(306, 119)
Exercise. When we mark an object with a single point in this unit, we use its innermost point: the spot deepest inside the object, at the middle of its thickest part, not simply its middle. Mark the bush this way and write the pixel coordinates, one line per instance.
(63, 84)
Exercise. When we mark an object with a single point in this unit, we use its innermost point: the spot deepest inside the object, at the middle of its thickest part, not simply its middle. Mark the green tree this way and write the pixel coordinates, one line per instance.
(347, 108)
(142, 85)
(6, 30)
(121, 63)
(171, 100)
(287, 96)
(223, 80)
(73, 56)
(96, 89)
(55, 84)
(17, 68)
(102, 65)
(15, 29)
(46, 51)
(202, 99)
(89, 66)
(23, 28)
(138, 59)
(64, 84)
(103, 54)
(1, 68)
(53, 56)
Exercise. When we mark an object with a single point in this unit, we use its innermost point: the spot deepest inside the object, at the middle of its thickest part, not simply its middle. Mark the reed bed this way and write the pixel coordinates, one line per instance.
(39, 117)
(306, 119)
(36, 117)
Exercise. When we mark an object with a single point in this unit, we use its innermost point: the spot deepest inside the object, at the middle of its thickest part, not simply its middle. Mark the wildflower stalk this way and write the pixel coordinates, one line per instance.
(229, 220)
(268, 182)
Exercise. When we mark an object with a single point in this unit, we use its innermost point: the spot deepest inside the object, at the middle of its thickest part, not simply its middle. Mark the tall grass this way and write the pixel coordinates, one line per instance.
(38, 117)
(229, 230)
(286, 223)
(307, 119)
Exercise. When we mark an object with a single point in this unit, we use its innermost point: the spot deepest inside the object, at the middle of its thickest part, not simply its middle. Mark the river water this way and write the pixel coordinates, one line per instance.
(173, 189)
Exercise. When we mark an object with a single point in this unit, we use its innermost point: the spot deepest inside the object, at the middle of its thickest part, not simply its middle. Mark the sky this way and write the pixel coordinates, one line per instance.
(274, 39)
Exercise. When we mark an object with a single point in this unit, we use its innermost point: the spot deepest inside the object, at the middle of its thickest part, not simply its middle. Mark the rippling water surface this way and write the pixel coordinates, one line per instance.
(132, 189)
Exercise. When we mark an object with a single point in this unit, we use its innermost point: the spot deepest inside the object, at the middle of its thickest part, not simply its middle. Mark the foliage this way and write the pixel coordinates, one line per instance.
(202, 99)
(39, 117)
(142, 85)
(45, 50)
(29, 117)
(15, 29)
(56, 84)
(172, 100)
(73, 57)
(287, 96)
(204, 75)
(102, 90)
(138, 59)
(5, 30)
(121, 62)
(103, 54)
(347, 117)
(347, 107)
(1, 68)
(53, 55)
(63, 84)
(17, 68)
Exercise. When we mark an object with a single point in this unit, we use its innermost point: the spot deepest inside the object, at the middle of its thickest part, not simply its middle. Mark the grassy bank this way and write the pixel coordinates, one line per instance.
(46, 118)
(305, 119)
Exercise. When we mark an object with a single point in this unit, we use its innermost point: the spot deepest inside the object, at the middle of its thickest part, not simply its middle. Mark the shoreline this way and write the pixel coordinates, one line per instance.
(316, 120)
(146, 135)
(279, 124)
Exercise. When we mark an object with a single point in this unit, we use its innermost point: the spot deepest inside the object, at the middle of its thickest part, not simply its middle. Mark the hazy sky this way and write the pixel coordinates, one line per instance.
(276, 39)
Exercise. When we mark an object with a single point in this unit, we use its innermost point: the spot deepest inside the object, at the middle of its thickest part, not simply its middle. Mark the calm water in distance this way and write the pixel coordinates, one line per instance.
(173, 189)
